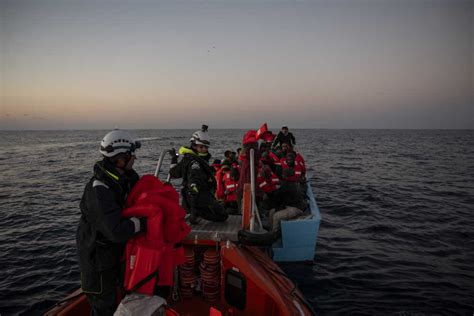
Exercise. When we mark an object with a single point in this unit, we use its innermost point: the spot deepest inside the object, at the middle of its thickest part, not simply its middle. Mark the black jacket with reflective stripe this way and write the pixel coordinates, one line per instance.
(195, 171)
(102, 231)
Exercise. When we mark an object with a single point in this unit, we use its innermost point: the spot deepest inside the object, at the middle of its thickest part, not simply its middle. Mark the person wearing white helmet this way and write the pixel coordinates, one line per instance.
(102, 231)
(199, 184)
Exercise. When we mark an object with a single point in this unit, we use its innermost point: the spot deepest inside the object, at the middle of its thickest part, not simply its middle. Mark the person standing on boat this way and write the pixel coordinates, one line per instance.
(284, 136)
(199, 184)
(102, 231)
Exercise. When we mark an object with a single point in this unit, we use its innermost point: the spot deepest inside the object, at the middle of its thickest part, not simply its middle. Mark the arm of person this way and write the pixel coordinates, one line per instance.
(109, 220)
(292, 137)
(175, 169)
(276, 140)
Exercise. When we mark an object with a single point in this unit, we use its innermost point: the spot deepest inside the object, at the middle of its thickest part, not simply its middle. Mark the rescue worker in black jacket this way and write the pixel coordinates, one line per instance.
(199, 184)
(284, 136)
(102, 232)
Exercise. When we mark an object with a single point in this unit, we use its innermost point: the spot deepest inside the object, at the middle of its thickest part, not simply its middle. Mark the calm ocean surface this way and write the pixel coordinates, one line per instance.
(397, 206)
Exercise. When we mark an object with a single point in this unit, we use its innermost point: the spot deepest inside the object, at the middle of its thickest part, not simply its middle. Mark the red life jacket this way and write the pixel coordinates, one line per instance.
(166, 228)
(299, 172)
(269, 183)
(230, 186)
(220, 183)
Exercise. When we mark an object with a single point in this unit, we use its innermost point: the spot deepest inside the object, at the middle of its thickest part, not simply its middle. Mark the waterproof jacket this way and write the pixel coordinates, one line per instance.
(199, 184)
(102, 231)
(282, 138)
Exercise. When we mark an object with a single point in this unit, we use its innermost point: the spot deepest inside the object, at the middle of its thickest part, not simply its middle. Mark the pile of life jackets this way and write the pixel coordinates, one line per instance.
(159, 249)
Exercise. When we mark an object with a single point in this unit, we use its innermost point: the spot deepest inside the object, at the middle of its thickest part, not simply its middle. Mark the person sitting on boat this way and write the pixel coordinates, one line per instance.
(199, 184)
(231, 183)
(269, 183)
(102, 231)
(284, 136)
(231, 157)
(287, 148)
(291, 170)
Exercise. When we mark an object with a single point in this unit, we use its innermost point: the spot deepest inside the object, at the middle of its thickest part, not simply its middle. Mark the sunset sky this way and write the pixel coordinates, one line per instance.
(234, 64)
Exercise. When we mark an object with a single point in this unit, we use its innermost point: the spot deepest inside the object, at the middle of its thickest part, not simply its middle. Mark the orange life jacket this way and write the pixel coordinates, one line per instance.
(159, 247)
(220, 183)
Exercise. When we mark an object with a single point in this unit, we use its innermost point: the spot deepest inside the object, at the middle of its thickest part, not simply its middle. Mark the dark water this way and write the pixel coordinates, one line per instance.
(396, 237)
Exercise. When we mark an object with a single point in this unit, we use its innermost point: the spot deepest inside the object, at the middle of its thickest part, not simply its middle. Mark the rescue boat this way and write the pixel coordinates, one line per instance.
(222, 276)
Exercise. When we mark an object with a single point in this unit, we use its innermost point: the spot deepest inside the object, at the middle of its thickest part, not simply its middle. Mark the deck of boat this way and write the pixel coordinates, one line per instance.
(218, 231)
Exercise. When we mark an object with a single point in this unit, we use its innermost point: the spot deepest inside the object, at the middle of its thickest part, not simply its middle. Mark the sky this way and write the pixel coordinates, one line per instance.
(235, 64)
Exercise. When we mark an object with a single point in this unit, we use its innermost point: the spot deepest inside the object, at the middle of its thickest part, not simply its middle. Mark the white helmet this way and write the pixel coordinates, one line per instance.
(200, 138)
(116, 142)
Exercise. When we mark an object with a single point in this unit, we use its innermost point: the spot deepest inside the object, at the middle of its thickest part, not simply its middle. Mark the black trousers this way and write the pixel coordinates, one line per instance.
(100, 289)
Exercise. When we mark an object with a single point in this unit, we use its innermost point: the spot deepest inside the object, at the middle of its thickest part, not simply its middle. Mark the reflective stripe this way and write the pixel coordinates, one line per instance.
(136, 224)
(116, 178)
(97, 183)
(173, 165)
(277, 186)
(230, 186)
(262, 184)
(275, 180)
(297, 172)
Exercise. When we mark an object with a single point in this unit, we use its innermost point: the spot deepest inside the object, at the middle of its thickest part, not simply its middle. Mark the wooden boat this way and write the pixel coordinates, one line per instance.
(247, 279)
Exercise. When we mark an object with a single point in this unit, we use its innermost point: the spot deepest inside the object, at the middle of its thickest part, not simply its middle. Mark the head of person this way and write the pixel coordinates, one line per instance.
(200, 141)
(239, 150)
(118, 147)
(284, 129)
(285, 147)
(278, 151)
(216, 164)
(290, 159)
(225, 166)
(228, 154)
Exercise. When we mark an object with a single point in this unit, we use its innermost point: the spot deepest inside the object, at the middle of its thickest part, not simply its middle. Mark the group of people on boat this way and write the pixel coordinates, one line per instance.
(209, 191)
(280, 172)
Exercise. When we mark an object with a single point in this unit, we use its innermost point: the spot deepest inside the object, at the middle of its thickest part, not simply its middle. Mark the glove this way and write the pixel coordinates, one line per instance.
(143, 224)
(172, 152)
(174, 156)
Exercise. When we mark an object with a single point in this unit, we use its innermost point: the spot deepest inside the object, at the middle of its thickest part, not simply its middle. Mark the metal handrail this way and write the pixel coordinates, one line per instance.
(160, 163)
(255, 213)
